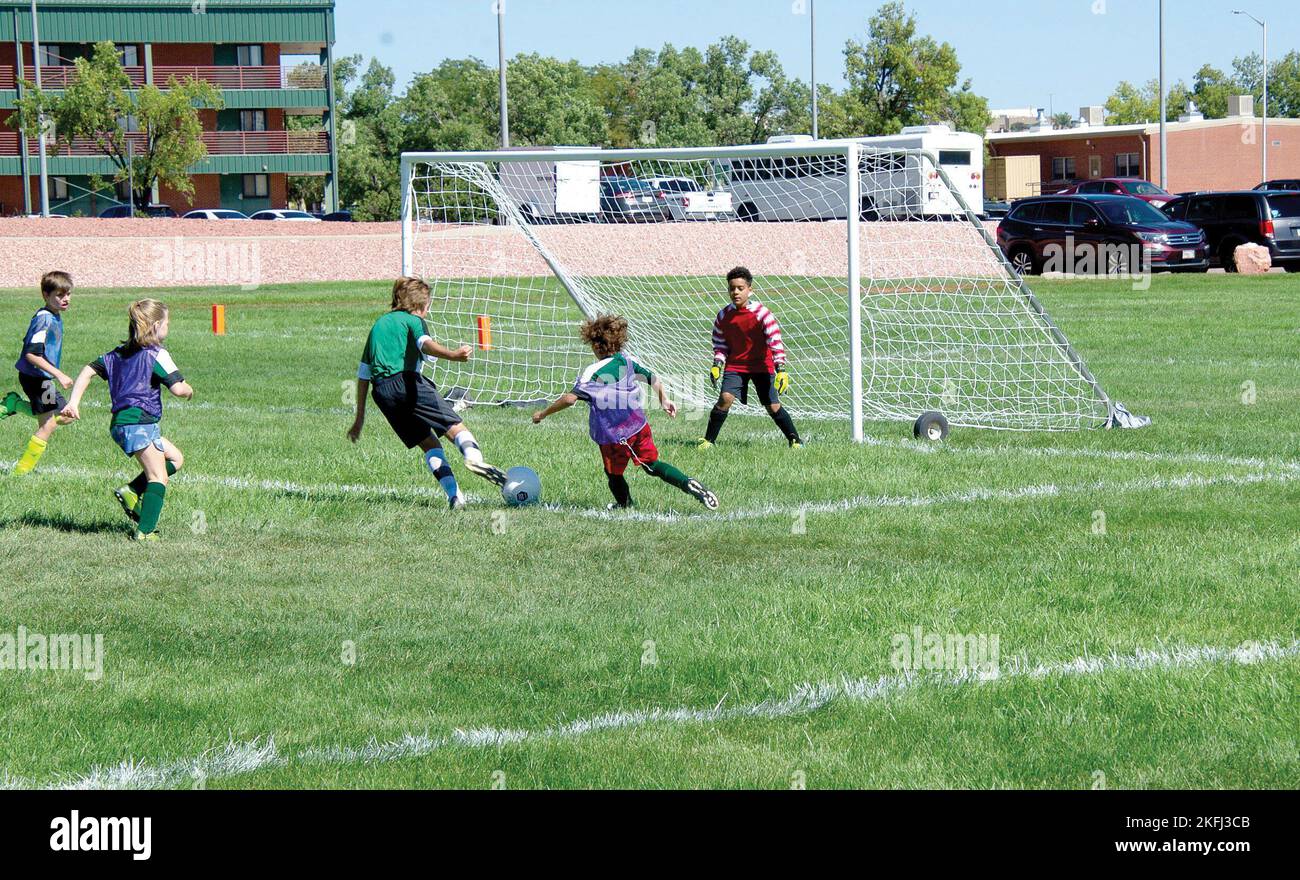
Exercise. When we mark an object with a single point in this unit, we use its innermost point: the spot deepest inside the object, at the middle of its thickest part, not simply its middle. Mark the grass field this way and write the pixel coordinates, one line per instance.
(562, 647)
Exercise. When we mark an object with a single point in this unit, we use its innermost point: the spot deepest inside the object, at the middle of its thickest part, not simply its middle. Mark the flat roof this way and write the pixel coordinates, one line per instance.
(1092, 131)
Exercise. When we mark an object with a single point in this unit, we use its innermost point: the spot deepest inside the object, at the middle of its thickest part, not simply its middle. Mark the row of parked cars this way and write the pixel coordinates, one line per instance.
(1117, 222)
(119, 212)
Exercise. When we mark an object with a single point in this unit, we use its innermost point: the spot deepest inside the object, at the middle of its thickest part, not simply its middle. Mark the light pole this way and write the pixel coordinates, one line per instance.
(1164, 112)
(812, 45)
(1264, 26)
(40, 119)
(501, 72)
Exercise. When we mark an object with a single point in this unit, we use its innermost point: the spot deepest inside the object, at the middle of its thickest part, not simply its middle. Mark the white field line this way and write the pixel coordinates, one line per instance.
(967, 496)
(770, 435)
(238, 758)
(842, 505)
(918, 446)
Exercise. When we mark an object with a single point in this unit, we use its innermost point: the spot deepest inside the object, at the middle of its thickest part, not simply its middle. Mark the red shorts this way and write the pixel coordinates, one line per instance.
(639, 447)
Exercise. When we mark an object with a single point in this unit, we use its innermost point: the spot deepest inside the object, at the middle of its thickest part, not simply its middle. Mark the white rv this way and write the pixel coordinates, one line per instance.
(553, 192)
(895, 185)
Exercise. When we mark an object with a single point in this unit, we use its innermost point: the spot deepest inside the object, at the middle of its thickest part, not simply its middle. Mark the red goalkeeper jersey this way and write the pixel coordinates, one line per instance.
(748, 339)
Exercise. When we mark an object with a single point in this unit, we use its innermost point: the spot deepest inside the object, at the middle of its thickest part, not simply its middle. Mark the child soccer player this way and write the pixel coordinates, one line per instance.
(747, 348)
(611, 387)
(136, 371)
(396, 347)
(38, 370)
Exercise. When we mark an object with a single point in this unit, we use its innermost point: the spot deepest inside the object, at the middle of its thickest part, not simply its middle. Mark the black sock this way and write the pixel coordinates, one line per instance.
(141, 482)
(716, 418)
(622, 492)
(786, 424)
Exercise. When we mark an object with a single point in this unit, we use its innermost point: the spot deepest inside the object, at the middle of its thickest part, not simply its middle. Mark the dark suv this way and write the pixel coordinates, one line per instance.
(1230, 219)
(1107, 234)
(1292, 185)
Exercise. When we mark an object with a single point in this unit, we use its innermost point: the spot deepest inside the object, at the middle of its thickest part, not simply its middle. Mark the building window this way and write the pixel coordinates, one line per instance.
(129, 55)
(129, 123)
(1063, 169)
(1128, 165)
(51, 55)
(58, 189)
(252, 120)
(248, 56)
(256, 186)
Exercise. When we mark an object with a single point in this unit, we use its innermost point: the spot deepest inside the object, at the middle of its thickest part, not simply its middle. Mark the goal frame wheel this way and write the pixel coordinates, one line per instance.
(931, 426)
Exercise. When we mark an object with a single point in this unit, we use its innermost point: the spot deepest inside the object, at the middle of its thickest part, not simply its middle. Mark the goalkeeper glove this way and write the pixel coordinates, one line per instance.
(715, 373)
(782, 380)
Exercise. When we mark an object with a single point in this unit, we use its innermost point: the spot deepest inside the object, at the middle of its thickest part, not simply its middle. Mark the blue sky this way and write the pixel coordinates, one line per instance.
(1066, 53)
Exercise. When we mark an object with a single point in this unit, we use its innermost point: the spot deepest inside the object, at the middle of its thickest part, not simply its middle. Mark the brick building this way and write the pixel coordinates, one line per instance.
(271, 59)
(1204, 154)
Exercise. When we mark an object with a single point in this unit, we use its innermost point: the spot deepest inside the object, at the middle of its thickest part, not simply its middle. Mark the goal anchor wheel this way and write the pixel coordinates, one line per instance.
(931, 426)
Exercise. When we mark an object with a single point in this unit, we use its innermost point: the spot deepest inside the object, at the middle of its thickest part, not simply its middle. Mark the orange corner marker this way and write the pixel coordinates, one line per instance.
(484, 333)
(219, 320)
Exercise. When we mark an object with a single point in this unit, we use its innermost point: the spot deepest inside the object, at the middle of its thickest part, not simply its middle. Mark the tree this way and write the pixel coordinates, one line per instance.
(101, 103)
(897, 78)
(1131, 105)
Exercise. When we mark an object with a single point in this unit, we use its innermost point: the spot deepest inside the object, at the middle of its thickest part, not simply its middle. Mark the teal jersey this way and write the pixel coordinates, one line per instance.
(393, 346)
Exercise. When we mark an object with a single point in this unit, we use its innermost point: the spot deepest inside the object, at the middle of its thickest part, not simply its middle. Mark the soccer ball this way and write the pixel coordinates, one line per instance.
(522, 487)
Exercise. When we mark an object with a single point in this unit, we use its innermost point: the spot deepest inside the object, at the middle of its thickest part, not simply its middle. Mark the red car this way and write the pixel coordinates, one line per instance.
(1121, 186)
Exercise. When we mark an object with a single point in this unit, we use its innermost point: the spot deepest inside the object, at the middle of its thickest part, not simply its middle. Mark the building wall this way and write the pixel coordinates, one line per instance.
(1228, 157)
(1217, 157)
(1081, 150)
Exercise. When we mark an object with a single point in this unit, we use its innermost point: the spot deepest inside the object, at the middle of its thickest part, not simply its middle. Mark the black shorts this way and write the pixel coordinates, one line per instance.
(44, 394)
(737, 384)
(414, 408)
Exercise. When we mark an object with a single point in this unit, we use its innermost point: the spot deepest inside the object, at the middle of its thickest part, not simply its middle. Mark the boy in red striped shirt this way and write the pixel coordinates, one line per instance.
(747, 348)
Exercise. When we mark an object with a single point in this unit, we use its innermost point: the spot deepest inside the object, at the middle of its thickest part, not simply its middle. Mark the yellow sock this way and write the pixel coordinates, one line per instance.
(35, 449)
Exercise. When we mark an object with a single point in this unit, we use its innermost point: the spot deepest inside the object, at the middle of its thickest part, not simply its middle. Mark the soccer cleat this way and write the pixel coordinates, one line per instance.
(697, 491)
(457, 502)
(704, 444)
(795, 444)
(615, 506)
(129, 501)
(10, 405)
(143, 538)
(492, 474)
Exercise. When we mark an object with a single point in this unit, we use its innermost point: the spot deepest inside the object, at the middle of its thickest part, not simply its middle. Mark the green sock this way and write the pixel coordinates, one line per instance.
(141, 482)
(669, 474)
(151, 507)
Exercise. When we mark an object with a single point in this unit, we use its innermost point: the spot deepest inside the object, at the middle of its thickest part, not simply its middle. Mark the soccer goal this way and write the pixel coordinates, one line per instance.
(893, 297)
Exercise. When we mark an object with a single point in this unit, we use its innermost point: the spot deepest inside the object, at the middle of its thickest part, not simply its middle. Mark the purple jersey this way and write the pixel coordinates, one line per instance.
(135, 378)
(615, 390)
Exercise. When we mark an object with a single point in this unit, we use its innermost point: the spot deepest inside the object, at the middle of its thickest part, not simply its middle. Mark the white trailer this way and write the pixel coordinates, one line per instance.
(896, 181)
(554, 192)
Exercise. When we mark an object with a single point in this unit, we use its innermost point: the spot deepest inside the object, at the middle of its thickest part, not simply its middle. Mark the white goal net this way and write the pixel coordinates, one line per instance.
(892, 296)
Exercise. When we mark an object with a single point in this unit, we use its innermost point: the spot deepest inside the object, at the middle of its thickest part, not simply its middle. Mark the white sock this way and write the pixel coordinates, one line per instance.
(468, 447)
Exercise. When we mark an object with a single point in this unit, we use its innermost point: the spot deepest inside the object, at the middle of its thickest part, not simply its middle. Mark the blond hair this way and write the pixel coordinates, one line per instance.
(410, 294)
(55, 282)
(145, 315)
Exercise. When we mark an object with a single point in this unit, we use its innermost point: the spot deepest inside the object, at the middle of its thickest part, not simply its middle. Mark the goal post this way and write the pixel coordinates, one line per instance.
(892, 295)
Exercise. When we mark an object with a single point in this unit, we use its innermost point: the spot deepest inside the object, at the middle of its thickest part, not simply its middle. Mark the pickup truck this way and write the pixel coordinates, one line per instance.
(687, 201)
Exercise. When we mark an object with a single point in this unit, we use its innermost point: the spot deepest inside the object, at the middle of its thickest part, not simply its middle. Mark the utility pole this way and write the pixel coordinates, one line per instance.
(40, 121)
(1164, 114)
(500, 7)
(812, 40)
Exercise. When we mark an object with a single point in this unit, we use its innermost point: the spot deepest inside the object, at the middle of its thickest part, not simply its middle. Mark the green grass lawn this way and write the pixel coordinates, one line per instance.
(555, 646)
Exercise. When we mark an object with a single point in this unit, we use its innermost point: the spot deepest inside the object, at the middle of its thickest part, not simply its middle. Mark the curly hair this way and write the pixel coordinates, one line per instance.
(606, 334)
(741, 272)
